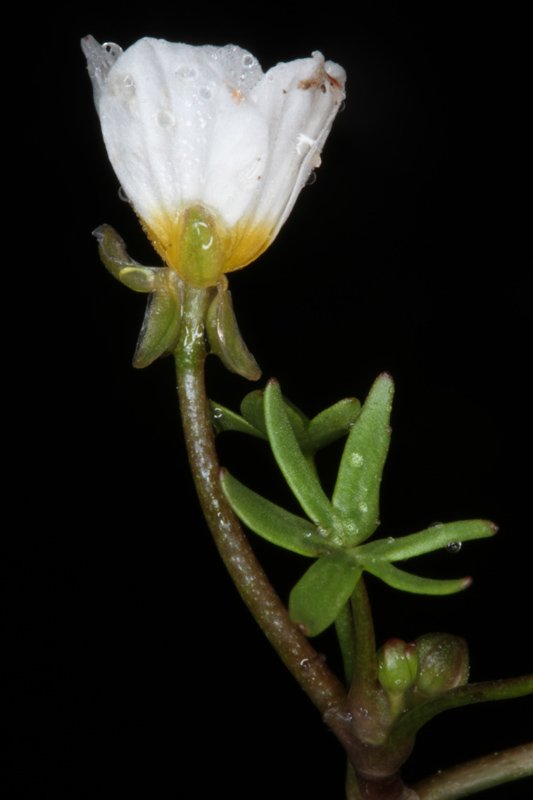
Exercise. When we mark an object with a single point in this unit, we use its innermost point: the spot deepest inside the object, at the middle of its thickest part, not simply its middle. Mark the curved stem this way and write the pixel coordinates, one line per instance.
(479, 774)
(305, 664)
(504, 689)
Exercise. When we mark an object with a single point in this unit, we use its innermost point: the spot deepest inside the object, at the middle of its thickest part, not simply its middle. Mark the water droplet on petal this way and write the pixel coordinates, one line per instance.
(122, 194)
(186, 72)
(165, 118)
(454, 547)
(114, 50)
(311, 179)
(248, 60)
(205, 93)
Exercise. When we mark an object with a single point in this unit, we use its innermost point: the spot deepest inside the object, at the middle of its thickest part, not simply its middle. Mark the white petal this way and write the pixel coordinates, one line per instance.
(188, 126)
(300, 99)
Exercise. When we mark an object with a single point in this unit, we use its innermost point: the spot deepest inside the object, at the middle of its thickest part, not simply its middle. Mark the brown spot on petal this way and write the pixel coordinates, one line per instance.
(333, 81)
(311, 83)
(236, 95)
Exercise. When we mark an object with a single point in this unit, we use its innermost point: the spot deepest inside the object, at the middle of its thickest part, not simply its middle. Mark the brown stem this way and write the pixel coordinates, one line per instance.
(479, 774)
(305, 664)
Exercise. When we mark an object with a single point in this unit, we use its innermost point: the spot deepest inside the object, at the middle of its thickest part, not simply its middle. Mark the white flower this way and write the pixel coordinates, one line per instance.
(207, 147)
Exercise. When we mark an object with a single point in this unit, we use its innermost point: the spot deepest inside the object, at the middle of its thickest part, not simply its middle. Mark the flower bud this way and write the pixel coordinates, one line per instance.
(443, 663)
(397, 665)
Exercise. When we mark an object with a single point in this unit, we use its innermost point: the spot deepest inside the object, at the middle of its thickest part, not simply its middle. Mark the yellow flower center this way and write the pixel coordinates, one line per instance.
(201, 248)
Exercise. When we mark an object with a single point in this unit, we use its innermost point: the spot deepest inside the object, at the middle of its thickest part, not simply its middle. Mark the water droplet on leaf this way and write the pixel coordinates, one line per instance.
(454, 547)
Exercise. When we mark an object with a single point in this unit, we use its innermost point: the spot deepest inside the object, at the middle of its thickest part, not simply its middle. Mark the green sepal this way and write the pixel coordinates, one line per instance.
(435, 537)
(271, 521)
(159, 332)
(333, 423)
(407, 582)
(356, 494)
(225, 338)
(224, 419)
(299, 472)
(319, 596)
(200, 249)
(114, 256)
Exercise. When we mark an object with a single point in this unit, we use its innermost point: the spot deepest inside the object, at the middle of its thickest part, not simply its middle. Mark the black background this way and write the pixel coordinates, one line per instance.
(131, 666)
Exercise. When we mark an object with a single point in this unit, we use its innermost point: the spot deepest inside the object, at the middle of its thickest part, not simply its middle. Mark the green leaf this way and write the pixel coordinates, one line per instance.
(225, 337)
(298, 471)
(356, 494)
(253, 410)
(433, 538)
(406, 582)
(224, 419)
(271, 521)
(333, 423)
(160, 328)
(319, 596)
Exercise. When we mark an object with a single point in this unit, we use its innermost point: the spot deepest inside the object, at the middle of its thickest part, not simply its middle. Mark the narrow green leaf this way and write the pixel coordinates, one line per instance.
(160, 328)
(224, 419)
(356, 494)
(253, 410)
(271, 521)
(319, 596)
(333, 423)
(298, 471)
(406, 582)
(432, 538)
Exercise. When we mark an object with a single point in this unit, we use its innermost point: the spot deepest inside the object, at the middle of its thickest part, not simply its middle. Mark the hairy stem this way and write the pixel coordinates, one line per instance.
(305, 664)
(479, 774)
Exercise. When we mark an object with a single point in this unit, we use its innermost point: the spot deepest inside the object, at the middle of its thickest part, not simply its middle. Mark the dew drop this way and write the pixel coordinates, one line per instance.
(122, 194)
(217, 413)
(114, 50)
(165, 118)
(311, 179)
(454, 547)
(186, 72)
(390, 539)
(356, 460)
(248, 61)
(205, 93)
(342, 106)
